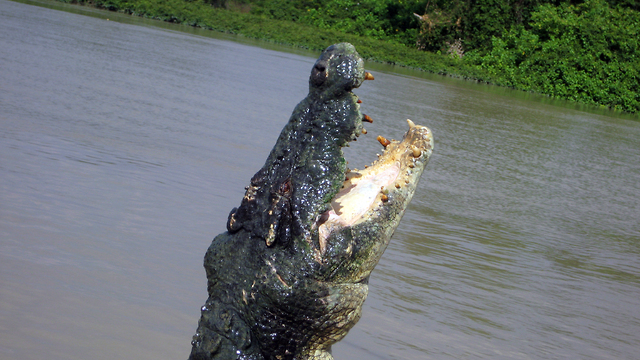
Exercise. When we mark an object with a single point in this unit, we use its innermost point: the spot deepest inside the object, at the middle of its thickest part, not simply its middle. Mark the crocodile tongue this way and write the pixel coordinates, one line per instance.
(379, 194)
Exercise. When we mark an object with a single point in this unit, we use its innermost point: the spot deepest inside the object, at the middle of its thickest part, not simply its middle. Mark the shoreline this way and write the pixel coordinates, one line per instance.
(200, 15)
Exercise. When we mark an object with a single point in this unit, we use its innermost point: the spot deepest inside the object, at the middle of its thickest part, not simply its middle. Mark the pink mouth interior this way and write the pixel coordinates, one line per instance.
(356, 199)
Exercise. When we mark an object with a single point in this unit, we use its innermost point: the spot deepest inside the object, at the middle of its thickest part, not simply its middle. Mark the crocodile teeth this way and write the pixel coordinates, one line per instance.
(416, 152)
(383, 141)
(368, 76)
(367, 118)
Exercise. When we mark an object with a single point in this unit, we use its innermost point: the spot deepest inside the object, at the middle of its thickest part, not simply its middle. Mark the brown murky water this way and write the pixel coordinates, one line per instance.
(123, 146)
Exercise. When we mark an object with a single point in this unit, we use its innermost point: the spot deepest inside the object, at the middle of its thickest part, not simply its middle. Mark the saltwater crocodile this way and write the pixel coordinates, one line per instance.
(289, 276)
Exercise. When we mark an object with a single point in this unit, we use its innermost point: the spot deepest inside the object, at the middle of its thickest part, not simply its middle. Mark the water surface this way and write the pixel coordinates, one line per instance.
(123, 146)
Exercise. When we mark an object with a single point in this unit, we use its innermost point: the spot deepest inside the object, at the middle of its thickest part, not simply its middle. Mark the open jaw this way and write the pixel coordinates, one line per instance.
(377, 196)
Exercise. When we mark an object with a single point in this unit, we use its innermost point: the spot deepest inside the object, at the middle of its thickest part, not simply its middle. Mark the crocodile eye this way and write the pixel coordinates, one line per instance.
(285, 188)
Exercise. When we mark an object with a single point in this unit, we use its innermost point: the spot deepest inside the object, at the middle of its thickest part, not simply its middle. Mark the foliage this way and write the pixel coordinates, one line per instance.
(380, 19)
(586, 53)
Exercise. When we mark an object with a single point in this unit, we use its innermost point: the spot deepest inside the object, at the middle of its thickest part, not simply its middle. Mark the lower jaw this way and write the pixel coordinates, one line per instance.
(381, 190)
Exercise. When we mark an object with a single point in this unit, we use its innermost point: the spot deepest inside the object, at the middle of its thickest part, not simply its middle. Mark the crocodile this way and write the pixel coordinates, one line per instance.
(289, 276)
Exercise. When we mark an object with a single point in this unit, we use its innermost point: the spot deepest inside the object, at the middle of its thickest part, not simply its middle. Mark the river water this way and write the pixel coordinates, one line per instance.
(125, 142)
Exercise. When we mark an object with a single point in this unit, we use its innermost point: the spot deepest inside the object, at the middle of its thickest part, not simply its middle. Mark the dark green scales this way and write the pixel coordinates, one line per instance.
(289, 277)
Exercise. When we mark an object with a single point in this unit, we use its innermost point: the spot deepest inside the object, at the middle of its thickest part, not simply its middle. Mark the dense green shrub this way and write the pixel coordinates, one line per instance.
(380, 19)
(586, 53)
(443, 21)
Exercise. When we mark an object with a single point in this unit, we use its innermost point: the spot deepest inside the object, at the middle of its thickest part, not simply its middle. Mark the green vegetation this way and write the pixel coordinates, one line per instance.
(585, 51)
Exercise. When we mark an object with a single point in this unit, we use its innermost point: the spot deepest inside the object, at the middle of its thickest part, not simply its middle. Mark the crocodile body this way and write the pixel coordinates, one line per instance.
(289, 276)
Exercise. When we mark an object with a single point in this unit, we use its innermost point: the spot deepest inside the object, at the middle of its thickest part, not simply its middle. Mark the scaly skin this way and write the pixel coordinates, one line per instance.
(289, 277)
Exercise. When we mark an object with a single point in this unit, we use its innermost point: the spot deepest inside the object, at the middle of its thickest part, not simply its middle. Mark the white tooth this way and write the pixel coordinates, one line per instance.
(416, 152)
(411, 124)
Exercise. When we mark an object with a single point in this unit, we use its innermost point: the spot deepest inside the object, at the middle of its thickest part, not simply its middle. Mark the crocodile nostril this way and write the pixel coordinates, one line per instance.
(319, 73)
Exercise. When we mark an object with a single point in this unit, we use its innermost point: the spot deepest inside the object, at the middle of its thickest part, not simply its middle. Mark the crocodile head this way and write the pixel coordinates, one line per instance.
(289, 277)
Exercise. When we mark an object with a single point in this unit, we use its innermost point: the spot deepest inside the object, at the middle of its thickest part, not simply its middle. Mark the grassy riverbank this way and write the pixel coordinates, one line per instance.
(585, 53)
(199, 14)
